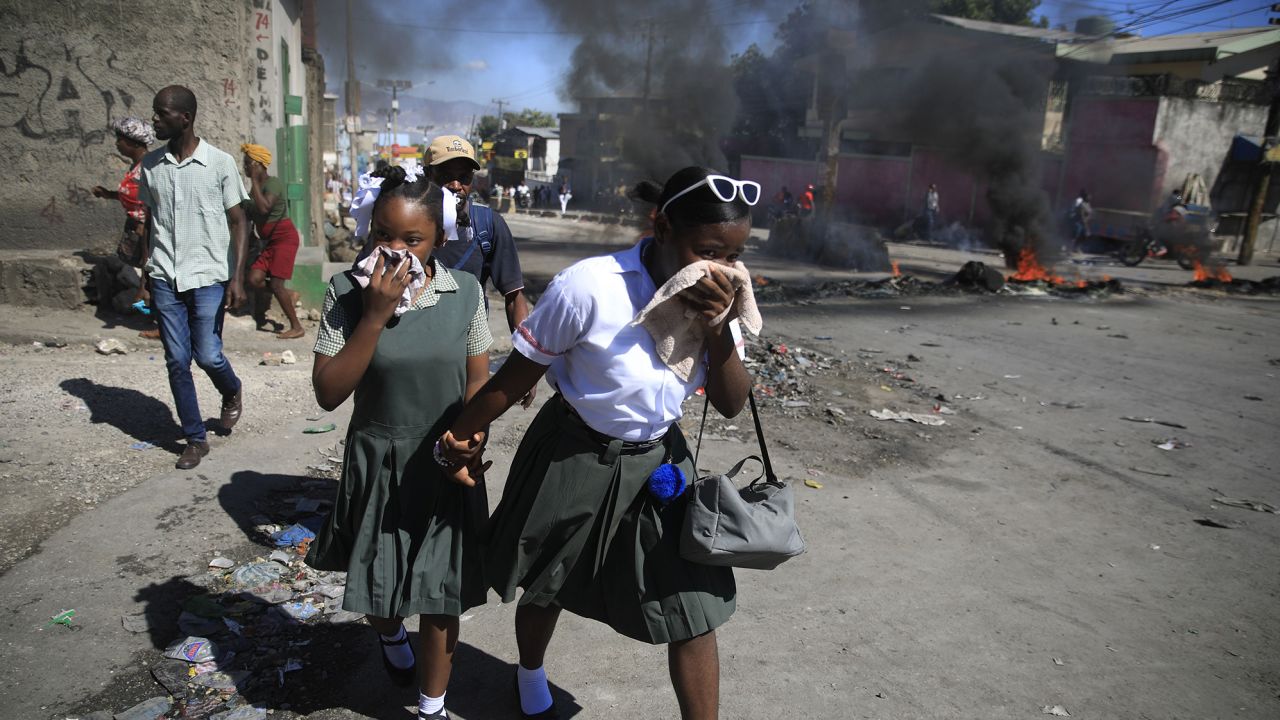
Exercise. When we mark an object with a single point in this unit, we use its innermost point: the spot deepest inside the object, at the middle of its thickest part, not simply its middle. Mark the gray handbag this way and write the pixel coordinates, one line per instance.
(750, 527)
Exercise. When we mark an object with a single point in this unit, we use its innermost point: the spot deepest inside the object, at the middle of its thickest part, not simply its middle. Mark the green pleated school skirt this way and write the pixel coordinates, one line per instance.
(407, 537)
(578, 529)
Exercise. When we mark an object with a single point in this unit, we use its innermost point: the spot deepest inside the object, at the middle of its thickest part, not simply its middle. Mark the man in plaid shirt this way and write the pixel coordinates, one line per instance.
(193, 191)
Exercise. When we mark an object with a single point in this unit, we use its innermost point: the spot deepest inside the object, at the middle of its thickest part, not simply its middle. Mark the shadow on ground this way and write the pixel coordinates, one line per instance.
(136, 414)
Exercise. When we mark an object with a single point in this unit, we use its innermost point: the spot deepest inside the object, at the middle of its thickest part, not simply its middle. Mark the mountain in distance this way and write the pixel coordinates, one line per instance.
(446, 117)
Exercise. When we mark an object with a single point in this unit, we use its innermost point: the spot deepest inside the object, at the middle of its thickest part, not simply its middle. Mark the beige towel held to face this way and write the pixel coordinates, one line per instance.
(678, 331)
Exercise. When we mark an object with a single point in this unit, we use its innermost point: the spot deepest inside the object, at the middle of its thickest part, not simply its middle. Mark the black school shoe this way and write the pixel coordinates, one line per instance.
(399, 677)
(548, 714)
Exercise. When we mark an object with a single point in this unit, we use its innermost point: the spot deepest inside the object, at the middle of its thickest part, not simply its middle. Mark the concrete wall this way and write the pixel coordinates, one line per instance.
(68, 67)
(1197, 137)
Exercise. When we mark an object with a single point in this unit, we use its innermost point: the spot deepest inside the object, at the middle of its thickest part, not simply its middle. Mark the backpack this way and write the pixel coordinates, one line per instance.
(482, 236)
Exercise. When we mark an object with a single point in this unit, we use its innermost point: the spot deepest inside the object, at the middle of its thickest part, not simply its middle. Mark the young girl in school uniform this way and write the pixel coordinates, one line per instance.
(577, 529)
(412, 348)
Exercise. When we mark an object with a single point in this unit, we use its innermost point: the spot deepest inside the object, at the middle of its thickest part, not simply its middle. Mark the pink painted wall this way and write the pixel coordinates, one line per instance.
(773, 173)
(873, 189)
(1110, 153)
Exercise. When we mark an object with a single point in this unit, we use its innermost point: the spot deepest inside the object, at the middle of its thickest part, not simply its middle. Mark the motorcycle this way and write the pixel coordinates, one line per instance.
(1181, 234)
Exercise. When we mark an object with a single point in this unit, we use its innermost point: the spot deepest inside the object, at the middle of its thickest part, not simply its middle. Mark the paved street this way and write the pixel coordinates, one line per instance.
(1036, 550)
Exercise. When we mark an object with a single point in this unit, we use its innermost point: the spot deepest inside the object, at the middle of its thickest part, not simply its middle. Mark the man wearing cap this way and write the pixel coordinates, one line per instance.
(490, 253)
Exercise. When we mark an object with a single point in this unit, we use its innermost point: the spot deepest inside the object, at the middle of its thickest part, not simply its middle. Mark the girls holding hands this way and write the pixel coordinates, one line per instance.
(577, 527)
(409, 340)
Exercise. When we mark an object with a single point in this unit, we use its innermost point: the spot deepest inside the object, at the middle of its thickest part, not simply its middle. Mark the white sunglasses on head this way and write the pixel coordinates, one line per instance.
(725, 188)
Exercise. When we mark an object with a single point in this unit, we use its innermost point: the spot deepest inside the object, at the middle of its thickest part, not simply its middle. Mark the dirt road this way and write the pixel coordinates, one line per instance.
(1035, 550)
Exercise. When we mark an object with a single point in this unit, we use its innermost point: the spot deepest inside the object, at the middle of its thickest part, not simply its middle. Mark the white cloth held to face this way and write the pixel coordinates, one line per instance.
(678, 332)
(362, 273)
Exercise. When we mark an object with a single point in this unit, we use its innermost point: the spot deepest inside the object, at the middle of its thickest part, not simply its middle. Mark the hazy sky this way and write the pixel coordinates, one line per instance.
(508, 49)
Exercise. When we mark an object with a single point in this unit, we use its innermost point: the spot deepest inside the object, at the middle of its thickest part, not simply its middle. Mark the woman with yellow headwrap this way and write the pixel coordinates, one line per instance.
(269, 210)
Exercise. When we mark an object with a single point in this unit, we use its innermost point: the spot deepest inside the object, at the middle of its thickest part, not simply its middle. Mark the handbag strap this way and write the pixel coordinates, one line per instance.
(769, 476)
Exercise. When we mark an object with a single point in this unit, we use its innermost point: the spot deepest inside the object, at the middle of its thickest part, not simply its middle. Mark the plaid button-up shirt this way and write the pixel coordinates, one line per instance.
(190, 238)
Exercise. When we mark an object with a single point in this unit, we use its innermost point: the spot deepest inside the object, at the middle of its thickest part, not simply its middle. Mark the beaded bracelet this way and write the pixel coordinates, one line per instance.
(438, 453)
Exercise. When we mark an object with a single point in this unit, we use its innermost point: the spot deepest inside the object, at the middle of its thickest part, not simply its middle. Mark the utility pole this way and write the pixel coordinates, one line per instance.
(501, 120)
(394, 122)
(352, 102)
(1262, 183)
(648, 59)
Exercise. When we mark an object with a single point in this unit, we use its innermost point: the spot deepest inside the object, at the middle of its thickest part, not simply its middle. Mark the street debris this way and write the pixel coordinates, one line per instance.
(1210, 522)
(142, 445)
(288, 358)
(317, 429)
(1055, 710)
(887, 414)
(1166, 423)
(1148, 471)
(1171, 444)
(222, 563)
(151, 709)
(63, 618)
(191, 649)
(110, 346)
(1255, 505)
(813, 484)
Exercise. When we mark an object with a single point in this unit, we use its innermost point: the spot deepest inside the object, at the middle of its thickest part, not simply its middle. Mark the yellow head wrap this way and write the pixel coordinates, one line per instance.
(257, 153)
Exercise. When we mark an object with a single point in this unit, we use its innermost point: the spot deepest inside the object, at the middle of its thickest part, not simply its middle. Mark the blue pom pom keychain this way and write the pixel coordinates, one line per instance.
(666, 483)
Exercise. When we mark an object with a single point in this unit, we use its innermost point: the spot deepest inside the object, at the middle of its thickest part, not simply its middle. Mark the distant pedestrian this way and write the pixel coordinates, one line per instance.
(133, 137)
(566, 194)
(806, 201)
(269, 210)
(932, 207)
(193, 193)
(1081, 214)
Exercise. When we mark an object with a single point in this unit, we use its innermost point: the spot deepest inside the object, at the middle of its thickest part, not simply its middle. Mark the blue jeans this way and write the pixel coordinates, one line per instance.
(191, 328)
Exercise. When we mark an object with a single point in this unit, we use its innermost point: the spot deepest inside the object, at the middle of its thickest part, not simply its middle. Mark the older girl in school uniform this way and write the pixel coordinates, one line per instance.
(577, 528)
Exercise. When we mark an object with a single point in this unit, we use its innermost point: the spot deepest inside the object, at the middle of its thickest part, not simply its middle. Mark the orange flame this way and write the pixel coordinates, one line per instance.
(896, 272)
(1202, 273)
(1030, 269)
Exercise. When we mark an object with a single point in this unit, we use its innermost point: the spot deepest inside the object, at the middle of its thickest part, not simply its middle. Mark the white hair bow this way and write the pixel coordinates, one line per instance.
(367, 194)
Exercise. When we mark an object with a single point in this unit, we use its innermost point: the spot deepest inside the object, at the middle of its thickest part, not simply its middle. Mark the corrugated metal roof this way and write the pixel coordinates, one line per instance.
(1191, 46)
(551, 133)
(1023, 31)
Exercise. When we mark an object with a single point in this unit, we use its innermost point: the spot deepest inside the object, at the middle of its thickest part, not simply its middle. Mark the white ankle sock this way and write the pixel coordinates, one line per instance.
(400, 656)
(430, 705)
(535, 696)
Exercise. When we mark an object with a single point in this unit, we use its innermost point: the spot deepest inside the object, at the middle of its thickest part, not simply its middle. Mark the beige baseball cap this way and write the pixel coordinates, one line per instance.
(448, 147)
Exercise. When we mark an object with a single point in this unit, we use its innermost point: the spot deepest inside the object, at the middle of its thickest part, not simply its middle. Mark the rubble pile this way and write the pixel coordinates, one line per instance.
(973, 278)
(1236, 286)
(237, 642)
(782, 373)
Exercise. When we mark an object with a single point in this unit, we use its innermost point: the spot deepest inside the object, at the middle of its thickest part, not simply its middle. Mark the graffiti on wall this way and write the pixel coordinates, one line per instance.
(63, 90)
(260, 102)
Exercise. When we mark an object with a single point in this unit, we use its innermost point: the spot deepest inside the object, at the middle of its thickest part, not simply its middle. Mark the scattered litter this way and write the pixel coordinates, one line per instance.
(293, 536)
(301, 611)
(244, 712)
(1153, 546)
(142, 445)
(813, 484)
(1058, 661)
(887, 414)
(219, 680)
(1119, 336)
(235, 627)
(1171, 444)
(1148, 471)
(270, 359)
(943, 410)
(192, 649)
(1055, 710)
(332, 592)
(1254, 398)
(222, 563)
(151, 709)
(288, 358)
(257, 574)
(1254, 505)
(317, 429)
(110, 346)
(821, 337)
(64, 618)
(1012, 377)
(280, 556)
(795, 403)
(1166, 423)
(1068, 405)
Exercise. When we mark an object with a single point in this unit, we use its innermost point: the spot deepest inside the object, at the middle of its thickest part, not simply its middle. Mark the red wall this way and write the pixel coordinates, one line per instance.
(773, 173)
(1110, 153)
(873, 189)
